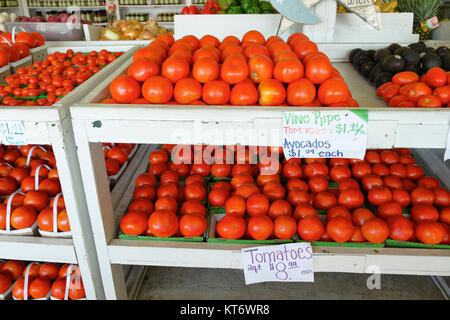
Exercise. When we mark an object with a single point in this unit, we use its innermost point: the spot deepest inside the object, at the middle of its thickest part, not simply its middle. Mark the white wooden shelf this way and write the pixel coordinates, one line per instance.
(156, 124)
(52, 125)
(387, 127)
(37, 249)
(65, 8)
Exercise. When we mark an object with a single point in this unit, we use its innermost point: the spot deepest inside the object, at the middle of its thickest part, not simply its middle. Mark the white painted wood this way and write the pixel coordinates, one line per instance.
(223, 25)
(100, 208)
(37, 249)
(395, 27)
(323, 31)
(86, 46)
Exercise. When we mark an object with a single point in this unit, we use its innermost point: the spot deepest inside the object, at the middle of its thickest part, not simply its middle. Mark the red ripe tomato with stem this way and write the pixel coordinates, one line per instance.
(417, 90)
(429, 101)
(231, 226)
(260, 68)
(234, 69)
(443, 93)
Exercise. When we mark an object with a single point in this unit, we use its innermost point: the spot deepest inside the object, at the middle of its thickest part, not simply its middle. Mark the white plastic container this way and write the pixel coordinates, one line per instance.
(68, 281)
(39, 53)
(4, 72)
(18, 232)
(55, 233)
(26, 284)
(22, 63)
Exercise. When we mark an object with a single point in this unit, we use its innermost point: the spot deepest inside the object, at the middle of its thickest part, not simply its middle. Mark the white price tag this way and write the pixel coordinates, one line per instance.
(291, 262)
(12, 133)
(325, 134)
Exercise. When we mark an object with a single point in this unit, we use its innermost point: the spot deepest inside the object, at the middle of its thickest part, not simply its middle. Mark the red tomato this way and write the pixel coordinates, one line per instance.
(284, 227)
(271, 92)
(310, 228)
(231, 226)
(125, 89)
(430, 232)
(360, 215)
(400, 228)
(163, 223)
(351, 199)
(424, 212)
(192, 225)
(436, 77)
(157, 89)
(142, 69)
(260, 227)
(333, 91)
(375, 230)
(339, 229)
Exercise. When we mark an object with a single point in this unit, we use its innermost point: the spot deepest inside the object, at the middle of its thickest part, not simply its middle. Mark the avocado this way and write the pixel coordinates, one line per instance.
(442, 51)
(376, 70)
(394, 64)
(430, 60)
(412, 68)
(383, 77)
(381, 54)
(419, 46)
(411, 56)
(358, 56)
(393, 47)
(446, 62)
(353, 53)
(361, 61)
(371, 54)
(366, 68)
(400, 50)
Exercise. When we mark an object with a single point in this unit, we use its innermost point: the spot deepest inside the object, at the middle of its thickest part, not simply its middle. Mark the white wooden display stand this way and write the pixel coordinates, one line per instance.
(94, 123)
(52, 125)
(395, 27)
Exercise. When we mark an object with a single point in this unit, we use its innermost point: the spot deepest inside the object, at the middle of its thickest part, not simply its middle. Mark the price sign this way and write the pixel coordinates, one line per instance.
(291, 262)
(325, 134)
(12, 133)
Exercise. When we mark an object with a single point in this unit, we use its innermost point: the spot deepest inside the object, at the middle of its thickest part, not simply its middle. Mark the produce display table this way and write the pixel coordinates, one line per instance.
(156, 124)
(52, 125)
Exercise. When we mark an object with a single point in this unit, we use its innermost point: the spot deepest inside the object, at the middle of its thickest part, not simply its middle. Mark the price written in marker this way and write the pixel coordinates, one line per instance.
(291, 262)
(325, 134)
(12, 133)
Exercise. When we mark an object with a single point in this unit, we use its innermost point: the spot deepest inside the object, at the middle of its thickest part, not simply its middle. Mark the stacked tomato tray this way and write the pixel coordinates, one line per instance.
(23, 280)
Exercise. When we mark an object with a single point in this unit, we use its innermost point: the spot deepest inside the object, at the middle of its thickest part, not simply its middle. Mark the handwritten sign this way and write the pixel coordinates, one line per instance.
(291, 262)
(12, 133)
(325, 134)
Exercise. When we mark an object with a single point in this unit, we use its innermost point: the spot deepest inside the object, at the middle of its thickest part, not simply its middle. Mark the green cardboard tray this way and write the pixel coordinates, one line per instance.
(408, 244)
(345, 244)
(147, 238)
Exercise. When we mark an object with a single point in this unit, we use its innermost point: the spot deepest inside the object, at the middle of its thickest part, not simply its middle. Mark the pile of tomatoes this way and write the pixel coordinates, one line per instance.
(116, 155)
(244, 72)
(37, 204)
(341, 200)
(408, 90)
(13, 51)
(42, 279)
(166, 206)
(45, 82)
